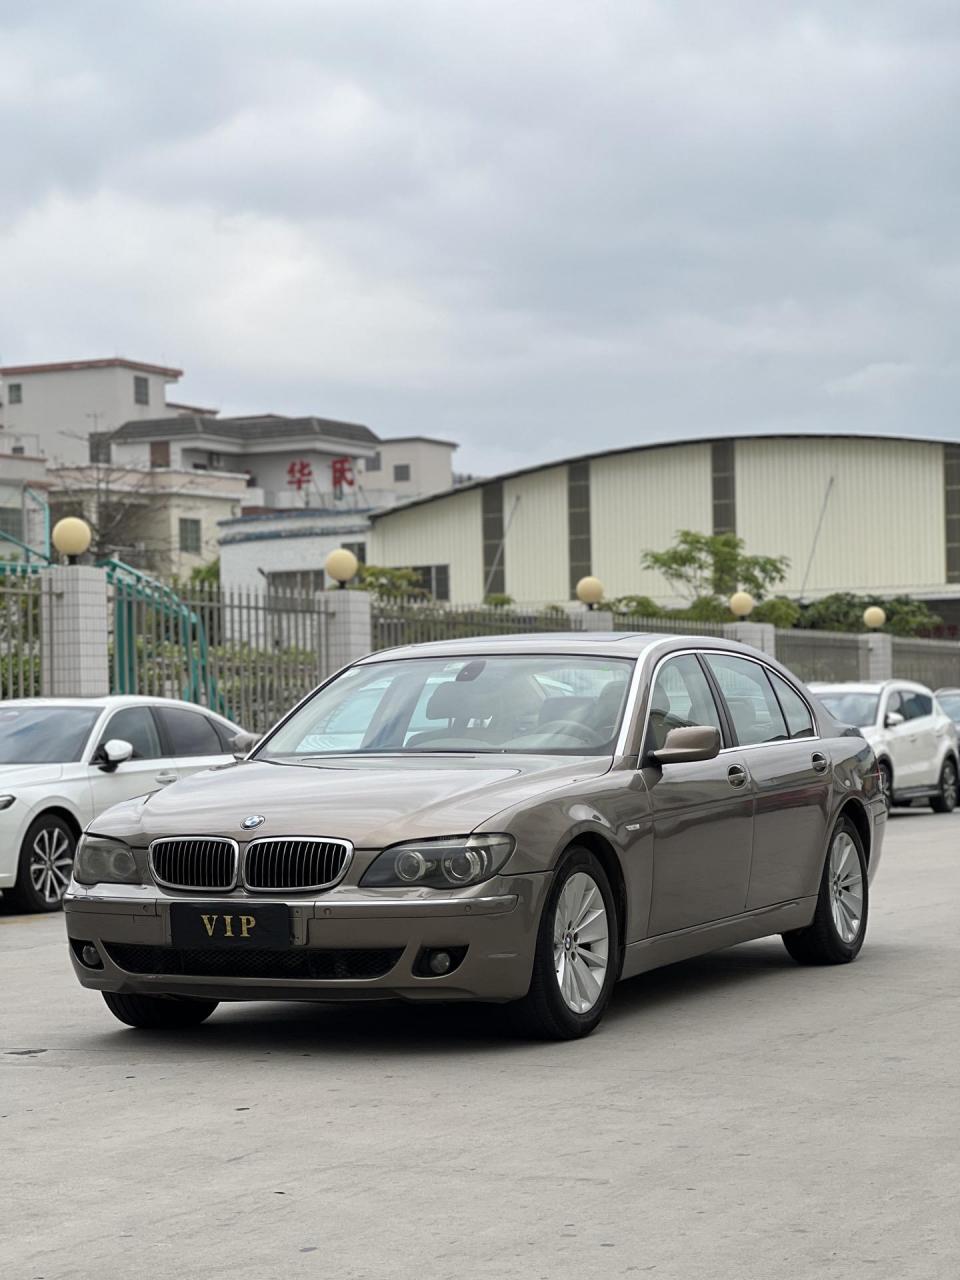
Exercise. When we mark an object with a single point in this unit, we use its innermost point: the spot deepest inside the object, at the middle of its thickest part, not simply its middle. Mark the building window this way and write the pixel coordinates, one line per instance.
(141, 389)
(434, 578)
(951, 507)
(296, 580)
(359, 549)
(11, 521)
(401, 471)
(15, 392)
(159, 453)
(99, 445)
(724, 487)
(374, 463)
(494, 552)
(578, 522)
(191, 536)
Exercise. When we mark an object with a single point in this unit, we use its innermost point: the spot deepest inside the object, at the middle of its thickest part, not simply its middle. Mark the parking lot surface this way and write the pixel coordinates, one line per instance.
(735, 1116)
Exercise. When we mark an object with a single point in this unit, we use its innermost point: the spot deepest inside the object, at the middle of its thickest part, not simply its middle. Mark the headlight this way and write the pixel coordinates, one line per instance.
(453, 862)
(102, 861)
(6, 802)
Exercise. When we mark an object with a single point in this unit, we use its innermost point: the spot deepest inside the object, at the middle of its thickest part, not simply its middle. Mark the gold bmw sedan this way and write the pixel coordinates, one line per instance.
(518, 819)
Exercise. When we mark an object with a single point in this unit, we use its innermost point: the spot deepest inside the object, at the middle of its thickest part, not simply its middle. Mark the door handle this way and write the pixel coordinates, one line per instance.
(819, 762)
(165, 777)
(737, 775)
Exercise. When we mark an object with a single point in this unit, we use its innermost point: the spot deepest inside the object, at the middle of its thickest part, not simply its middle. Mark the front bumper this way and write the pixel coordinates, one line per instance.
(494, 924)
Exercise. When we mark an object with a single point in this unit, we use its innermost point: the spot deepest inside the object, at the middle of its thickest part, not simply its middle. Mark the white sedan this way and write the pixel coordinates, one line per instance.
(64, 760)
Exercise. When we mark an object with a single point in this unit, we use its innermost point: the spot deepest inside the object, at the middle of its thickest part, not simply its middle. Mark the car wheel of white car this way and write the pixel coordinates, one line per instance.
(46, 862)
(945, 801)
(886, 782)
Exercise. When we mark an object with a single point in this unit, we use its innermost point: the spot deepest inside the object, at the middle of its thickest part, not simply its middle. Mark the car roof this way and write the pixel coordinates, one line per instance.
(867, 686)
(112, 702)
(607, 644)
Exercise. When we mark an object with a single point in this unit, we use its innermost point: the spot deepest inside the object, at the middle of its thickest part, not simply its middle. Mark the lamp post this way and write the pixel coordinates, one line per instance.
(590, 591)
(341, 565)
(874, 617)
(71, 536)
(741, 604)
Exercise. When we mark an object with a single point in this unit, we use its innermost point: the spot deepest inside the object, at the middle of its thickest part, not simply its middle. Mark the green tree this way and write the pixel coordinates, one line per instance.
(843, 611)
(389, 584)
(702, 565)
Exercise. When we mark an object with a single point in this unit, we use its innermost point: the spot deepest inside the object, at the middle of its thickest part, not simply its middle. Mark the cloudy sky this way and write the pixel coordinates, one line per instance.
(534, 227)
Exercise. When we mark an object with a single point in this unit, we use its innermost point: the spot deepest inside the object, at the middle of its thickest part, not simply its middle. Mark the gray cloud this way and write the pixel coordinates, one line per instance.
(537, 228)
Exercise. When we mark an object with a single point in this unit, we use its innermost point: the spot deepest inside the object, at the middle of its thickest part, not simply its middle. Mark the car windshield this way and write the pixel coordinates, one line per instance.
(951, 704)
(45, 735)
(858, 709)
(537, 705)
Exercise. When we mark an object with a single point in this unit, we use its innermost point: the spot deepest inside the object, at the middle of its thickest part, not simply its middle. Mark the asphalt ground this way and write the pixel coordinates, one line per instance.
(734, 1117)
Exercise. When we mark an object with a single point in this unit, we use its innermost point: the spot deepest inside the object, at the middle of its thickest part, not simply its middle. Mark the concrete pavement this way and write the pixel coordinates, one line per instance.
(735, 1117)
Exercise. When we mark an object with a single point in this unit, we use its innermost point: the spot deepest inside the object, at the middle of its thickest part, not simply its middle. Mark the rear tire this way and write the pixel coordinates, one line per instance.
(44, 866)
(159, 1013)
(945, 801)
(839, 925)
(577, 958)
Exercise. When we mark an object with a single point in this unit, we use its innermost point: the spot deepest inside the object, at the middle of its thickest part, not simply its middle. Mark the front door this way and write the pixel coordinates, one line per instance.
(903, 742)
(791, 775)
(702, 812)
(145, 771)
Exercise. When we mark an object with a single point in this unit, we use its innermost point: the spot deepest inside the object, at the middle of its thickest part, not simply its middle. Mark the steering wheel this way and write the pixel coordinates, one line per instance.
(574, 729)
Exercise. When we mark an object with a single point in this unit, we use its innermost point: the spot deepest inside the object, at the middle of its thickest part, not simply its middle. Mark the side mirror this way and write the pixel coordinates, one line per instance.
(685, 746)
(892, 719)
(243, 743)
(113, 753)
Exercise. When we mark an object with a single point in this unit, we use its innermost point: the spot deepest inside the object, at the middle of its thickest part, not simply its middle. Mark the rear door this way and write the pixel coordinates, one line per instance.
(702, 812)
(924, 739)
(146, 771)
(192, 738)
(906, 752)
(791, 774)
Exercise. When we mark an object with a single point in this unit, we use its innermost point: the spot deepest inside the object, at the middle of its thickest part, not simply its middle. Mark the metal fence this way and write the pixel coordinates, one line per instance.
(665, 626)
(249, 656)
(932, 662)
(820, 655)
(410, 622)
(20, 636)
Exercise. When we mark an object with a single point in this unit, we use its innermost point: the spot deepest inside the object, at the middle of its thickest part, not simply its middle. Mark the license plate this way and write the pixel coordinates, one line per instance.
(229, 924)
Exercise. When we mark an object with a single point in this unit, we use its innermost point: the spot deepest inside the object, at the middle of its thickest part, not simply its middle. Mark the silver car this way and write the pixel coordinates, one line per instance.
(516, 819)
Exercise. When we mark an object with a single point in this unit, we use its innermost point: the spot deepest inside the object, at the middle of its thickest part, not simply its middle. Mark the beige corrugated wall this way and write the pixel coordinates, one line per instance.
(638, 502)
(884, 522)
(445, 531)
(536, 544)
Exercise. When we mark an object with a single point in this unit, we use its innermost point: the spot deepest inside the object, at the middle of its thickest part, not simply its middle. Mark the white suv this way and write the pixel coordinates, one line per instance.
(914, 739)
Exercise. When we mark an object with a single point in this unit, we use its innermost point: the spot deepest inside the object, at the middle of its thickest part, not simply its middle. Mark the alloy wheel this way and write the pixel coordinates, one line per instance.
(581, 942)
(846, 887)
(948, 785)
(51, 862)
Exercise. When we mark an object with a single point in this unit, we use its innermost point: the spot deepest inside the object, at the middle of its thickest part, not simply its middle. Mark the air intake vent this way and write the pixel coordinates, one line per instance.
(194, 862)
(297, 863)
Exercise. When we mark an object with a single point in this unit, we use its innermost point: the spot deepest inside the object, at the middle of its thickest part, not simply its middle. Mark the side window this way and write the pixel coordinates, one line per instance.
(680, 697)
(799, 720)
(895, 704)
(748, 694)
(136, 726)
(225, 734)
(190, 732)
(916, 705)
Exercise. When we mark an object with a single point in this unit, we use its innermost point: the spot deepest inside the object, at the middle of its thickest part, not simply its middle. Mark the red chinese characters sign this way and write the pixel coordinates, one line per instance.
(341, 471)
(299, 474)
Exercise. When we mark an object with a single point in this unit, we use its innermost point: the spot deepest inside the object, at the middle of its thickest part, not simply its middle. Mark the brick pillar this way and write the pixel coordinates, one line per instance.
(876, 656)
(74, 661)
(349, 631)
(759, 635)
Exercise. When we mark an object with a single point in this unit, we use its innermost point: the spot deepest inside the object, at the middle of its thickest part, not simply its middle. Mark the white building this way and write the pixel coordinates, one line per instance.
(24, 489)
(63, 404)
(863, 514)
(287, 549)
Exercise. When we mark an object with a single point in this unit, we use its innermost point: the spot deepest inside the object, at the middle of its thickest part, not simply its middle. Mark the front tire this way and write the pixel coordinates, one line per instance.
(886, 782)
(577, 958)
(840, 922)
(945, 801)
(45, 865)
(159, 1013)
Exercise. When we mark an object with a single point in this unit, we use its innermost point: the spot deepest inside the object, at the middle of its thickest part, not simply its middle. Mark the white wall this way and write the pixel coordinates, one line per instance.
(445, 531)
(535, 547)
(430, 463)
(59, 407)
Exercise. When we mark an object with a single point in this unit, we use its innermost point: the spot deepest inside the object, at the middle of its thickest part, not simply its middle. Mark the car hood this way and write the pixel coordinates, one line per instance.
(371, 802)
(28, 775)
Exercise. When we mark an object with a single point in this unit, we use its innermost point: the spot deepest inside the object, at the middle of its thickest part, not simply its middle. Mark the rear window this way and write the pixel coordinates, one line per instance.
(190, 732)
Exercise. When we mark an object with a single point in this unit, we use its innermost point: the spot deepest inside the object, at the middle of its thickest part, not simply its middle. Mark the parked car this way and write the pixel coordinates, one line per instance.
(511, 819)
(64, 760)
(949, 699)
(914, 738)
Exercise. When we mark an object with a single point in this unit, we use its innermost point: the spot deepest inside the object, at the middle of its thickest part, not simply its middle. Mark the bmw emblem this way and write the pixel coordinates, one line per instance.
(254, 820)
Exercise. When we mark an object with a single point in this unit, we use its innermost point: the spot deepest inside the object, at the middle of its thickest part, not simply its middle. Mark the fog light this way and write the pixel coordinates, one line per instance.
(90, 956)
(439, 962)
